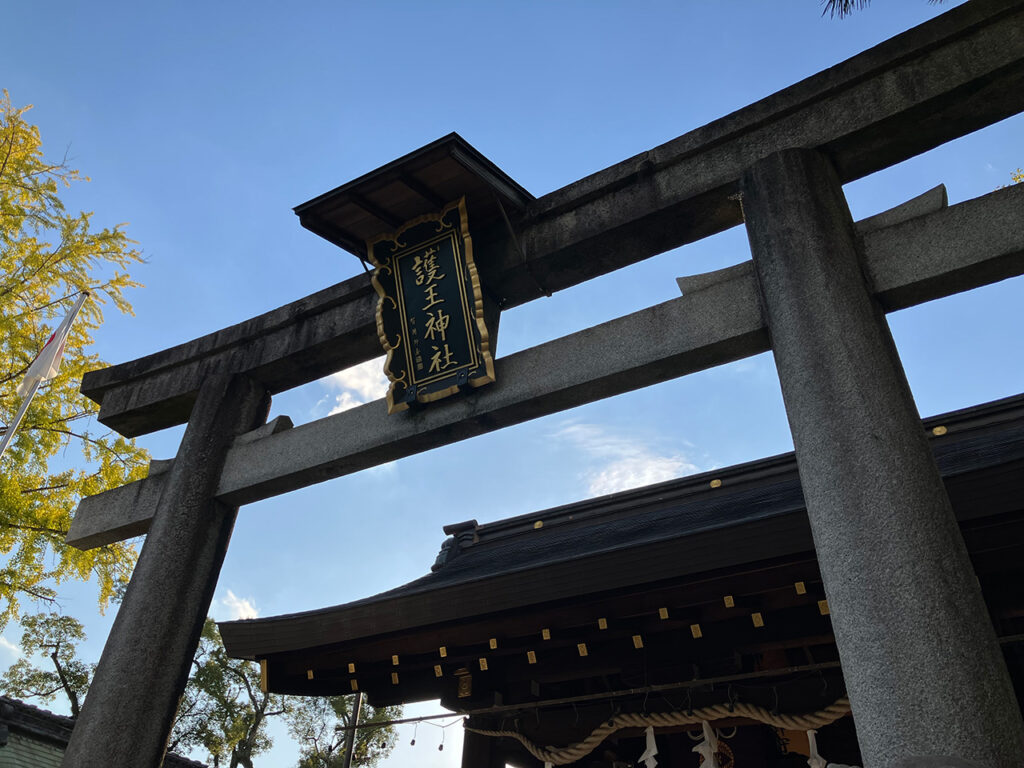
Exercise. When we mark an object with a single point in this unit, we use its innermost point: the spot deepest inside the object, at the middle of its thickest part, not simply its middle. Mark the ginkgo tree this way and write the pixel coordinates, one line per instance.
(48, 255)
(223, 711)
(319, 723)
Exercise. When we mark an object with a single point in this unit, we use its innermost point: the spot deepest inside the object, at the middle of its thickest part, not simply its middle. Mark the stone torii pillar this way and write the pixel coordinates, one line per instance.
(920, 657)
(127, 717)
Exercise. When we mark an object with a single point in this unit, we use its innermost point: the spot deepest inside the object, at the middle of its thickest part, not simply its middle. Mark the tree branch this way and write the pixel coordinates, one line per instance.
(42, 488)
(34, 528)
(71, 693)
(84, 438)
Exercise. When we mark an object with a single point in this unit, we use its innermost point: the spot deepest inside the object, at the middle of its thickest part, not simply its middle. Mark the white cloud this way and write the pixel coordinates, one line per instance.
(344, 401)
(10, 647)
(758, 367)
(621, 462)
(239, 607)
(359, 384)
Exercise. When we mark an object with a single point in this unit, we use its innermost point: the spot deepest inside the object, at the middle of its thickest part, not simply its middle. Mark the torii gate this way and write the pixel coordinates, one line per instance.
(815, 293)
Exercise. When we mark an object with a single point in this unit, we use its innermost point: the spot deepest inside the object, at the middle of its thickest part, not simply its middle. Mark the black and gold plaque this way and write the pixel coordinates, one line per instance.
(430, 312)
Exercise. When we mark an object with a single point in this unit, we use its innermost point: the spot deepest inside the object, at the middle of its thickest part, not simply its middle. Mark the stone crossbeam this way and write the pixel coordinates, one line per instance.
(717, 320)
(944, 79)
(287, 347)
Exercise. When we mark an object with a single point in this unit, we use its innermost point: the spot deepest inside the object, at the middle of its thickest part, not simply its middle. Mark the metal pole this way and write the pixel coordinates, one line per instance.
(13, 426)
(350, 736)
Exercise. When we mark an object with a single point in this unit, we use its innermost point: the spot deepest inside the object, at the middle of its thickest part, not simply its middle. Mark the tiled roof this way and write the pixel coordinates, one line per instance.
(41, 724)
(970, 440)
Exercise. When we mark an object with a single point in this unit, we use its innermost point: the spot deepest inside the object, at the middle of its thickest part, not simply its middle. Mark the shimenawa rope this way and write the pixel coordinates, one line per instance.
(573, 752)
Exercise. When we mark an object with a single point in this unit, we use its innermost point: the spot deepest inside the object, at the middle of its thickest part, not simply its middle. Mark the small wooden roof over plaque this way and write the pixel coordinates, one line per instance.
(419, 183)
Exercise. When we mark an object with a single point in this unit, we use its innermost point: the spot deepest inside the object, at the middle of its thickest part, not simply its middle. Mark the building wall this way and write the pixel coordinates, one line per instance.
(25, 752)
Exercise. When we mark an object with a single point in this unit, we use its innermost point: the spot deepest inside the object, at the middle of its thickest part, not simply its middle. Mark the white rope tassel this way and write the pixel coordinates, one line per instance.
(815, 760)
(647, 758)
(708, 747)
(549, 764)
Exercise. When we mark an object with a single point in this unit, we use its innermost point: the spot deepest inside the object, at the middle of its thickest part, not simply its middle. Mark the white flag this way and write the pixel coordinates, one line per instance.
(47, 362)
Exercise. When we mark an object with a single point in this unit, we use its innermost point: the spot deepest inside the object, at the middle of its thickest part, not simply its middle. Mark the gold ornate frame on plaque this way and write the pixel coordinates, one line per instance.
(430, 310)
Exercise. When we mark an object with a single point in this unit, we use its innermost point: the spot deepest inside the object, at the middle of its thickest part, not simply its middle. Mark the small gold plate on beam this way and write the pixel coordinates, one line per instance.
(823, 608)
(757, 618)
(638, 642)
(729, 602)
(582, 648)
(801, 588)
(354, 685)
(437, 670)
(696, 631)
(602, 623)
(531, 657)
(465, 683)
(483, 664)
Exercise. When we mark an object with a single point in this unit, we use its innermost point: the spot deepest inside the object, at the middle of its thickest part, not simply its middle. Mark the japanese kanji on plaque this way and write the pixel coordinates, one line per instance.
(430, 314)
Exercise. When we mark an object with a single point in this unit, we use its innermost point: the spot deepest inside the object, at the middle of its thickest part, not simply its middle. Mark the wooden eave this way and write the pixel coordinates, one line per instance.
(757, 558)
(418, 183)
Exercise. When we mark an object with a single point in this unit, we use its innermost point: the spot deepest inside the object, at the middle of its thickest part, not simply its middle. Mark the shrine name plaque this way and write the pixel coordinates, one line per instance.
(430, 311)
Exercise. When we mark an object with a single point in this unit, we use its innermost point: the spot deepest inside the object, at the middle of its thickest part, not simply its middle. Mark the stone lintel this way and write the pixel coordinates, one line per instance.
(116, 515)
(964, 246)
(943, 79)
(286, 347)
(968, 245)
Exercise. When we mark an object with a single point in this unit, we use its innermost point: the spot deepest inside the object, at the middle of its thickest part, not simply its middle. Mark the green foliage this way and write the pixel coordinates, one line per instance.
(1016, 177)
(222, 712)
(843, 8)
(47, 256)
(53, 636)
(223, 709)
(314, 723)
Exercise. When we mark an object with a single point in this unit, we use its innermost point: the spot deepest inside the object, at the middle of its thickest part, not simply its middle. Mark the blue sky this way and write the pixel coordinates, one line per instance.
(201, 125)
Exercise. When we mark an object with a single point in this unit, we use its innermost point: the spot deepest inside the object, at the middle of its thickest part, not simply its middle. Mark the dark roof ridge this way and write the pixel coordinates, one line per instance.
(630, 501)
(20, 716)
(633, 500)
(11, 700)
(978, 419)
